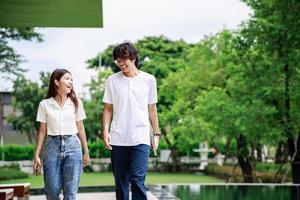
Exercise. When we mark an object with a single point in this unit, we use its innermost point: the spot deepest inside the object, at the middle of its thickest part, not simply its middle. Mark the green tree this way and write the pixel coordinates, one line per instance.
(94, 106)
(160, 56)
(273, 31)
(26, 98)
(179, 91)
(214, 98)
(103, 59)
(9, 59)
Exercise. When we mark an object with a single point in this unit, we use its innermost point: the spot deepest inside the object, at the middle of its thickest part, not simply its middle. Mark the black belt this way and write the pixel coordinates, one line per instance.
(60, 136)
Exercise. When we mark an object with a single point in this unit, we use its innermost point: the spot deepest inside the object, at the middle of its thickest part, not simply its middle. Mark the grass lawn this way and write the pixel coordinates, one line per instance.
(106, 178)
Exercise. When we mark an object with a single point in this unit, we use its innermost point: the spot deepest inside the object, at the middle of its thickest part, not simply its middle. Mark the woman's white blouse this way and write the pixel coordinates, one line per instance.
(60, 121)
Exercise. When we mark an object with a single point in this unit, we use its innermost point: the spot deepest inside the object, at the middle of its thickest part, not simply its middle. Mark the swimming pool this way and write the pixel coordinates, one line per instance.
(224, 191)
(228, 192)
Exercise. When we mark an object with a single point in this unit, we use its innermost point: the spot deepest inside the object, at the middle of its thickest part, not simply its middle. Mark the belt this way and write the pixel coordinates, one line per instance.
(60, 136)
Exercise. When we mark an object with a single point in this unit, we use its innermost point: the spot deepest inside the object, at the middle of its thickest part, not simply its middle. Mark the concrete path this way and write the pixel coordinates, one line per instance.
(93, 196)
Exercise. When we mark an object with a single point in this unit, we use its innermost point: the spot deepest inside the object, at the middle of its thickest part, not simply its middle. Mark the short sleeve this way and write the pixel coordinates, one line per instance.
(41, 113)
(153, 92)
(80, 114)
(107, 97)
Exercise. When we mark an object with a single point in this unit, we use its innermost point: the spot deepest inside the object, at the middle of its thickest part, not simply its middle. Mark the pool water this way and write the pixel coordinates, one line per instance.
(234, 192)
(209, 191)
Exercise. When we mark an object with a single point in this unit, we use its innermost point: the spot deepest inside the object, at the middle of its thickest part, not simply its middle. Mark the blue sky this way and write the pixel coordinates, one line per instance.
(126, 20)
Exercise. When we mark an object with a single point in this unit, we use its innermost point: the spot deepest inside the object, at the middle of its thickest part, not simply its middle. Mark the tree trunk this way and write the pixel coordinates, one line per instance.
(292, 144)
(294, 151)
(227, 149)
(29, 137)
(174, 153)
(244, 160)
(279, 153)
(252, 155)
(247, 170)
(35, 135)
(282, 153)
(259, 152)
(175, 161)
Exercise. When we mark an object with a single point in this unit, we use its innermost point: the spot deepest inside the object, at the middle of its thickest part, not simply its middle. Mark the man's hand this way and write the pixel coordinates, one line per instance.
(106, 139)
(156, 142)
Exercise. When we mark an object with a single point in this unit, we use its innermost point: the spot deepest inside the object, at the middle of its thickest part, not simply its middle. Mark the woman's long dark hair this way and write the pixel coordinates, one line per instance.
(52, 89)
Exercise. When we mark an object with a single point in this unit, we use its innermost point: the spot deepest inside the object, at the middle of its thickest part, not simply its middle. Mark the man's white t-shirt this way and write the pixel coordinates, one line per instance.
(130, 97)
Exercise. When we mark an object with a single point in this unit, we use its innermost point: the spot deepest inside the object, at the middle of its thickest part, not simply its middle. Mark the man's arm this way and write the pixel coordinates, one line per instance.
(154, 123)
(106, 119)
(153, 117)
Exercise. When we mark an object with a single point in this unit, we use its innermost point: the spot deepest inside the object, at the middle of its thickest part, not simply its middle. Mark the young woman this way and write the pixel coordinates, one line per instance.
(61, 117)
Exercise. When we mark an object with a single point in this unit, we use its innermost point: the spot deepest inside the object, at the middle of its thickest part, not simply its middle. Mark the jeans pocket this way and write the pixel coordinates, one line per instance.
(78, 139)
(74, 143)
(46, 143)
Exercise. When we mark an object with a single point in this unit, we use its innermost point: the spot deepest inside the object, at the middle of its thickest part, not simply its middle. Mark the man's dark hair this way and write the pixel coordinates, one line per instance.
(126, 50)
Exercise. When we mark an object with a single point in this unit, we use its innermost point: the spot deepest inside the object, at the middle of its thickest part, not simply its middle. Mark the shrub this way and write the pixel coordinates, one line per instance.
(7, 173)
(97, 150)
(226, 173)
(13, 152)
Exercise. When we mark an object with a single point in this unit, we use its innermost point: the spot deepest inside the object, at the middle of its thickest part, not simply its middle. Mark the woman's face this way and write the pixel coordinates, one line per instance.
(65, 84)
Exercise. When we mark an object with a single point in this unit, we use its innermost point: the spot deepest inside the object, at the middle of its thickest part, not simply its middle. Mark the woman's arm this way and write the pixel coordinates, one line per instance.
(41, 137)
(82, 137)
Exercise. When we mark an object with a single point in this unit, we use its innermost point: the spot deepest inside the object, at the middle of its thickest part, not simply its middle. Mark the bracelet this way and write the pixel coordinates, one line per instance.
(156, 134)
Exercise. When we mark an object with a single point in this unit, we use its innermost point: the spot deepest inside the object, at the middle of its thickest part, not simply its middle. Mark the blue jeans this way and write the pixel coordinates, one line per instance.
(130, 164)
(62, 166)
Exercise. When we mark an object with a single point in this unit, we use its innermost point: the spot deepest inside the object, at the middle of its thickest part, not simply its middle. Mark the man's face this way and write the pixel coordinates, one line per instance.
(125, 65)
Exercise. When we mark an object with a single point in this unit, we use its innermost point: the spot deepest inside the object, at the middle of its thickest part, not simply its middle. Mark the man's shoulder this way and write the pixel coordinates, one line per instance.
(147, 75)
(114, 76)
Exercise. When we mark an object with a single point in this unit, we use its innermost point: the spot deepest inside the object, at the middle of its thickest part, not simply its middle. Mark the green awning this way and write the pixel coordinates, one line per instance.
(51, 13)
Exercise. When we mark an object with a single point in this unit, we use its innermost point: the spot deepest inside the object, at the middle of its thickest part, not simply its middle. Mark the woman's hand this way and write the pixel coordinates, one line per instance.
(37, 165)
(86, 159)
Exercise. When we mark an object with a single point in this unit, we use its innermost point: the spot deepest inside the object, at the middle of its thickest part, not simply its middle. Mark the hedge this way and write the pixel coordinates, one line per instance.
(13, 152)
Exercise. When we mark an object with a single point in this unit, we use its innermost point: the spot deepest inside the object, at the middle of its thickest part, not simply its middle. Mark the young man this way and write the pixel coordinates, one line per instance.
(130, 99)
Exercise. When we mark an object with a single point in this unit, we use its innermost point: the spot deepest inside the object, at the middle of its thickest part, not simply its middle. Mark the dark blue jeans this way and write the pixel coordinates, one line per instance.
(130, 165)
(62, 166)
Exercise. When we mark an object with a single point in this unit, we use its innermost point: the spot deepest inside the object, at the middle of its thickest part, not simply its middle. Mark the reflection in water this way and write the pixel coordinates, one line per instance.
(233, 192)
(295, 193)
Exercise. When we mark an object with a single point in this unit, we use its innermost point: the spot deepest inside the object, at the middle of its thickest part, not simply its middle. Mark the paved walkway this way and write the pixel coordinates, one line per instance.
(93, 196)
